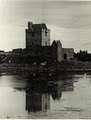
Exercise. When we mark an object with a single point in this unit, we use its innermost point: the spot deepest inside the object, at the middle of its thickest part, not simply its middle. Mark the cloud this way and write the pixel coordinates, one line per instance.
(69, 21)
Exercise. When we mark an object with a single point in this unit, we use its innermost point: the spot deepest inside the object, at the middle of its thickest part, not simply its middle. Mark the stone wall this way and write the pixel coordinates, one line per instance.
(38, 43)
(54, 50)
(37, 34)
(33, 38)
(59, 51)
(45, 37)
(67, 53)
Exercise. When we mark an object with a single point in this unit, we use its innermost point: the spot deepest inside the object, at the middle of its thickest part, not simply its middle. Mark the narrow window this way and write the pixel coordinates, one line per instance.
(45, 43)
(45, 106)
(46, 34)
(65, 56)
(32, 34)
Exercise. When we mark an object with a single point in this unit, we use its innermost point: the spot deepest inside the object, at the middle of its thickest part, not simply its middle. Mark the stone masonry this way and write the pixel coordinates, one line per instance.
(38, 43)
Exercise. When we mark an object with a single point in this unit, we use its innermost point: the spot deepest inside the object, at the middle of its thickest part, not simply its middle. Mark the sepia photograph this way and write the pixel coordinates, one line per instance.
(45, 59)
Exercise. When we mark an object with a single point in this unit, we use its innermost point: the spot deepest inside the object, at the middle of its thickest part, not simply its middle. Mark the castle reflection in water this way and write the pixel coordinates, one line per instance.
(38, 92)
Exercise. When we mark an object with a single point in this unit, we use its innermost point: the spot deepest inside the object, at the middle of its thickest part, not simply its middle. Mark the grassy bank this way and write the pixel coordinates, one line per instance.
(60, 66)
(74, 66)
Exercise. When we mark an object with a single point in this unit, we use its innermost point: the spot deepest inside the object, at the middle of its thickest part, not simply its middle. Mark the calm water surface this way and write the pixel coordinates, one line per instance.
(57, 96)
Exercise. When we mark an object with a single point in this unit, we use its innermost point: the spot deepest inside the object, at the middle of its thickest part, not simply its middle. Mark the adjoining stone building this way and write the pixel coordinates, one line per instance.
(38, 43)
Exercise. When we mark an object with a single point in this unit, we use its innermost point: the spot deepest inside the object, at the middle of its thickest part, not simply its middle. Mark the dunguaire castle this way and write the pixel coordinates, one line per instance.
(38, 43)
(38, 46)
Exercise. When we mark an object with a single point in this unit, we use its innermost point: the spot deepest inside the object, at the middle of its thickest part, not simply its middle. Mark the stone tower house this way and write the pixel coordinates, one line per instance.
(37, 35)
(38, 43)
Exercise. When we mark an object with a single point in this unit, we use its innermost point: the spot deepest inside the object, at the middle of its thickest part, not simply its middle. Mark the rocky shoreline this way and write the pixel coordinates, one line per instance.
(30, 69)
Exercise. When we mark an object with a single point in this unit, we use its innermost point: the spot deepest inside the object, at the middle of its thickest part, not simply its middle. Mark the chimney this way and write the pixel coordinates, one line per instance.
(30, 25)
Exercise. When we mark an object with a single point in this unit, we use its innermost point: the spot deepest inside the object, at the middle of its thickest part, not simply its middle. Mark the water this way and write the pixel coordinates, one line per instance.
(63, 95)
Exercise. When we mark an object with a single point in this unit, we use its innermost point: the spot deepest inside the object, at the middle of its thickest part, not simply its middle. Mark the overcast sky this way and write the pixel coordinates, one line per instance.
(69, 21)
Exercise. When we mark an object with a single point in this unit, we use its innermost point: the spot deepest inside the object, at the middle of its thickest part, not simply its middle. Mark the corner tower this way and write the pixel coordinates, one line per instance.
(37, 35)
(57, 50)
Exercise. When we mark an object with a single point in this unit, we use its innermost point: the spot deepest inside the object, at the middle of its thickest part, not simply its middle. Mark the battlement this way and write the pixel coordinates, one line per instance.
(37, 35)
(38, 43)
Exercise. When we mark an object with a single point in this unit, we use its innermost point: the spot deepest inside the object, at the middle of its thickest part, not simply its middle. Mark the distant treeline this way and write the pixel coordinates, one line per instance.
(82, 56)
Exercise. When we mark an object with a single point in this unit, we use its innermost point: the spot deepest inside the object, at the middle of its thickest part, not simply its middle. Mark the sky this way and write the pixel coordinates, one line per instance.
(69, 21)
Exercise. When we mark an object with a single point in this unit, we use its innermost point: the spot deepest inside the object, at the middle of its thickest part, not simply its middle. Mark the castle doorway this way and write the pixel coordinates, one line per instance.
(65, 56)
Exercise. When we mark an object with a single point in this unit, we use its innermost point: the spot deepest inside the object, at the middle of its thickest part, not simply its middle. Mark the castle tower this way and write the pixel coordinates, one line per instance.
(57, 50)
(37, 102)
(37, 35)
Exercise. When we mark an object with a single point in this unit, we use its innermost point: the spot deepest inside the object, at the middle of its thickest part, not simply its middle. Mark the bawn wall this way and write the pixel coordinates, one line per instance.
(69, 52)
